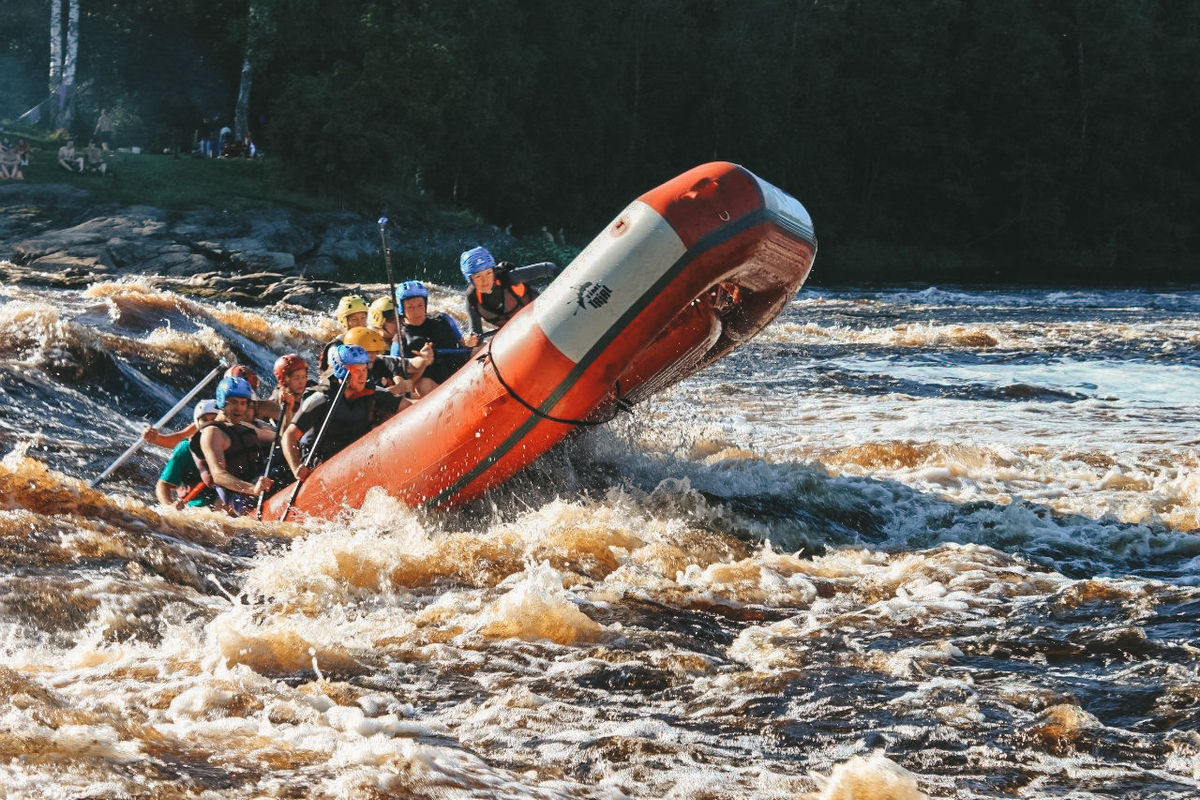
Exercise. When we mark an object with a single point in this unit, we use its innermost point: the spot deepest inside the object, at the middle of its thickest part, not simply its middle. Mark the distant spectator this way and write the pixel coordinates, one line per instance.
(226, 144)
(94, 158)
(10, 161)
(25, 151)
(201, 147)
(104, 129)
(68, 158)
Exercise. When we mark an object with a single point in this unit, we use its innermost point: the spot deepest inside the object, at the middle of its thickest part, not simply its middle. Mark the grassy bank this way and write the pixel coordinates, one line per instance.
(429, 247)
(178, 183)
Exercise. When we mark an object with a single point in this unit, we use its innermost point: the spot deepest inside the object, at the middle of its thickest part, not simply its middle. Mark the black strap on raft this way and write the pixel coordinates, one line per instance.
(621, 405)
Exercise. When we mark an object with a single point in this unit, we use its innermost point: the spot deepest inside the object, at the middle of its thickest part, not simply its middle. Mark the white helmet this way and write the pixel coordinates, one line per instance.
(206, 406)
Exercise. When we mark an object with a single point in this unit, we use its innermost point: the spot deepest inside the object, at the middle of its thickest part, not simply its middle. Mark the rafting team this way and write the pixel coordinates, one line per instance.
(226, 458)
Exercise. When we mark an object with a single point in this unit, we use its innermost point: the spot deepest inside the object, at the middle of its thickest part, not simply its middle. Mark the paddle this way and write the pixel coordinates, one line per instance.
(137, 445)
(271, 452)
(387, 263)
(192, 494)
(313, 451)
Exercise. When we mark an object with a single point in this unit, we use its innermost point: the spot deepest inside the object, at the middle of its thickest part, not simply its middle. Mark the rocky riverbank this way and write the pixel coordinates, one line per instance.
(53, 234)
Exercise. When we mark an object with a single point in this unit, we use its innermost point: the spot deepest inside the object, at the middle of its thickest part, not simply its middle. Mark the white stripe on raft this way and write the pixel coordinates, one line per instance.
(606, 280)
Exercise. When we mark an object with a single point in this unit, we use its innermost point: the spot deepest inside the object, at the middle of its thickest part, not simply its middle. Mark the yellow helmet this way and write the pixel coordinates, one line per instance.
(350, 304)
(367, 339)
(379, 311)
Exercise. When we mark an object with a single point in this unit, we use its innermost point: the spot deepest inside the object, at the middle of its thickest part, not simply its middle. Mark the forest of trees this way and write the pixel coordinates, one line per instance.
(1049, 138)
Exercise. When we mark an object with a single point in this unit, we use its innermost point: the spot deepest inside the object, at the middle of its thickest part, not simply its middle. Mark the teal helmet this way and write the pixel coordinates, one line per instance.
(474, 261)
(347, 355)
(411, 289)
(233, 387)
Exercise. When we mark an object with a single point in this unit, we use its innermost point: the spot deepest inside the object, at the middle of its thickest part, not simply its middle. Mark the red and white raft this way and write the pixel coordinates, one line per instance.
(689, 271)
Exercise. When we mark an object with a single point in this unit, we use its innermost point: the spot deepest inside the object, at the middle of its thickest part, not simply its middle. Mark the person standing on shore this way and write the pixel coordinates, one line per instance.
(104, 129)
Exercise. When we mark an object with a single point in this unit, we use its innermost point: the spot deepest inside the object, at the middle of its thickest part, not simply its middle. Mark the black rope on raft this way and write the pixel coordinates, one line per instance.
(621, 404)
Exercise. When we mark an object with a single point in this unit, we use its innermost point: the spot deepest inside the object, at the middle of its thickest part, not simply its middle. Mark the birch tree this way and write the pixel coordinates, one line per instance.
(241, 112)
(70, 58)
(62, 62)
(56, 50)
(55, 44)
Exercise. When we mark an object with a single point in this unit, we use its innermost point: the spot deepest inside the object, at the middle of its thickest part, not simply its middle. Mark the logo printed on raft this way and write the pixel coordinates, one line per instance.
(592, 294)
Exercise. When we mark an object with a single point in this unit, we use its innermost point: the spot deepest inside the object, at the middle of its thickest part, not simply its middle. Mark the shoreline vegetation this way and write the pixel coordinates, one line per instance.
(176, 185)
(955, 141)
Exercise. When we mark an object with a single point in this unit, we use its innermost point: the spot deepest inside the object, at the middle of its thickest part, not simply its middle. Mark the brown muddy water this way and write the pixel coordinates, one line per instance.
(907, 543)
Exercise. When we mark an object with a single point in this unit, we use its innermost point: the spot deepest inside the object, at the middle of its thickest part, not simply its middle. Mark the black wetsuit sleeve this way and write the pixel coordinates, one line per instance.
(312, 412)
(542, 272)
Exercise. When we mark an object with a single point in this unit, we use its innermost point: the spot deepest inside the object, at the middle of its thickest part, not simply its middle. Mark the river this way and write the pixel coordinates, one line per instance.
(909, 542)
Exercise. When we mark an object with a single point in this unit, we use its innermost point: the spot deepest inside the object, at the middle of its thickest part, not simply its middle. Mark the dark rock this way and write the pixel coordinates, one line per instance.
(54, 234)
(319, 267)
(71, 266)
(305, 298)
(175, 260)
(262, 259)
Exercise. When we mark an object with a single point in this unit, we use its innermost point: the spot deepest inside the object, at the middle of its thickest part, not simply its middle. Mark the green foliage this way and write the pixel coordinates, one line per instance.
(1030, 134)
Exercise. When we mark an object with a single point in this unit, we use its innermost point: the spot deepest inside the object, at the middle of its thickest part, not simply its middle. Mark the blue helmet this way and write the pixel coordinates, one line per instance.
(233, 387)
(411, 289)
(347, 355)
(475, 260)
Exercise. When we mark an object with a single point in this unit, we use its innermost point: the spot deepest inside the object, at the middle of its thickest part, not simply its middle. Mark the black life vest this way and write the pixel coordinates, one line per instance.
(349, 421)
(444, 335)
(500, 304)
(244, 458)
(198, 456)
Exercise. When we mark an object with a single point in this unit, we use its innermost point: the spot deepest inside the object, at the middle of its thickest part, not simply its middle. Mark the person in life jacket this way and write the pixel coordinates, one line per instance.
(386, 371)
(181, 473)
(291, 377)
(351, 312)
(436, 335)
(495, 292)
(382, 318)
(389, 369)
(234, 449)
(263, 409)
(362, 405)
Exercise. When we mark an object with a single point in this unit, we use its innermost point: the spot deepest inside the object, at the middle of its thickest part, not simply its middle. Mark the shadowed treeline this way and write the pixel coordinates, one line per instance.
(1049, 139)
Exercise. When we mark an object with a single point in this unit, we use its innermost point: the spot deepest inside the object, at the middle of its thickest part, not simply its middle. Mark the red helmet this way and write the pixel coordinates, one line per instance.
(244, 372)
(289, 363)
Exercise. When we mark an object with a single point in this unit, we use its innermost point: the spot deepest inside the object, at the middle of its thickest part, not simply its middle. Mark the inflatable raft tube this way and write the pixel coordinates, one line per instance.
(685, 274)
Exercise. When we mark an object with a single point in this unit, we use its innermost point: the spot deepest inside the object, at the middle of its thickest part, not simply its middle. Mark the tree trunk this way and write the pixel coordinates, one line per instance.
(241, 112)
(67, 103)
(55, 44)
(55, 59)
